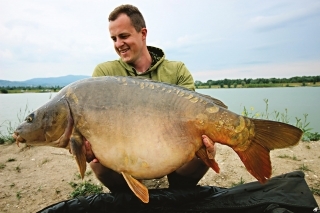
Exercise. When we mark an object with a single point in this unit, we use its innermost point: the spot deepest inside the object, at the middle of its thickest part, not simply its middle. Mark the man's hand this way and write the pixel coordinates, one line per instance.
(210, 146)
(89, 154)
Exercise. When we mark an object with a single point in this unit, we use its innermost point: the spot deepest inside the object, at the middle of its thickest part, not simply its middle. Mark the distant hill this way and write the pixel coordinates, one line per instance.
(44, 82)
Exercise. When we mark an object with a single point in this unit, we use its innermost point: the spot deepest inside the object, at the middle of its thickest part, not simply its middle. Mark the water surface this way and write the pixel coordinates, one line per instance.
(297, 101)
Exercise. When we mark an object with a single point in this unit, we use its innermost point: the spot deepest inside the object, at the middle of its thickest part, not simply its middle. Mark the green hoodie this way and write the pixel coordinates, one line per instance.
(173, 72)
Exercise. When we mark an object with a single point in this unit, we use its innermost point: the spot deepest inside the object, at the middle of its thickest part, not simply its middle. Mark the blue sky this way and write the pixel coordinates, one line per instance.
(215, 39)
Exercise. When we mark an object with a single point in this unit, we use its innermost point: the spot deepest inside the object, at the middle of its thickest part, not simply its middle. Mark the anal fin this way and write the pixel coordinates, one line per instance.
(208, 159)
(137, 187)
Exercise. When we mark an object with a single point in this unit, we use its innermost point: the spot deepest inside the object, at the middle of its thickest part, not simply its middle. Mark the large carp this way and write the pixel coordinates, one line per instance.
(145, 129)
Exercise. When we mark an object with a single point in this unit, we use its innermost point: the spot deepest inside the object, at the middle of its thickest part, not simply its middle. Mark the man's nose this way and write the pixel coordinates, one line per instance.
(118, 43)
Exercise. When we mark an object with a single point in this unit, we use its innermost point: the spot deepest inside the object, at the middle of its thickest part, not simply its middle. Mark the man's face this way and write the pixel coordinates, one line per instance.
(128, 43)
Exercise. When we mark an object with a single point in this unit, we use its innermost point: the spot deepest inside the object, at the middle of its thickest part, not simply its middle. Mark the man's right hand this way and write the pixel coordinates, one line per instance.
(89, 154)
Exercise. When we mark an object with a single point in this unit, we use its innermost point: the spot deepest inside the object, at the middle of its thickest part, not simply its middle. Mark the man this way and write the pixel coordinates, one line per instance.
(128, 31)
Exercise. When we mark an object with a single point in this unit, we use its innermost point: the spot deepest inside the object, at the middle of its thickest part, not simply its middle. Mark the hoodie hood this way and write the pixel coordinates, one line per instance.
(157, 56)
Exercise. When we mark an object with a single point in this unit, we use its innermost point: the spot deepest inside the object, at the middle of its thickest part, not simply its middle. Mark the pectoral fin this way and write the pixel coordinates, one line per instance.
(79, 152)
(208, 159)
(137, 187)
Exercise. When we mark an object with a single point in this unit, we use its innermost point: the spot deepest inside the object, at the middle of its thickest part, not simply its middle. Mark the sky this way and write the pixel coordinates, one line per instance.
(215, 39)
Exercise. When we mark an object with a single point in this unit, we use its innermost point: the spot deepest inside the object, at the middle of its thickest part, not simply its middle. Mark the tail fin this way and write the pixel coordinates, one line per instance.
(275, 135)
(269, 135)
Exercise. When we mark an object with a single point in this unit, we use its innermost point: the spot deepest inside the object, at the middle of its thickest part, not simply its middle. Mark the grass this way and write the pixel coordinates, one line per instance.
(18, 195)
(84, 189)
(46, 160)
(88, 173)
(309, 136)
(78, 176)
(18, 169)
(316, 190)
(7, 138)
(305, 168)
(11, 160)
(301, 123)
(240, 182)
(288, 157)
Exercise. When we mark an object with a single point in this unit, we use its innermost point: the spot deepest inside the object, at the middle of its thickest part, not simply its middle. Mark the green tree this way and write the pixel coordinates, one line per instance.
(4, 91)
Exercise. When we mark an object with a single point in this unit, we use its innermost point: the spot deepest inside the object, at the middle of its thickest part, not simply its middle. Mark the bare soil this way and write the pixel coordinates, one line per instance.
(36, 177)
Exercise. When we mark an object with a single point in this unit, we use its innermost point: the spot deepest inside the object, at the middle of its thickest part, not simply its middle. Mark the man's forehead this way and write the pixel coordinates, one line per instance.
(122, 24)
(122, 19)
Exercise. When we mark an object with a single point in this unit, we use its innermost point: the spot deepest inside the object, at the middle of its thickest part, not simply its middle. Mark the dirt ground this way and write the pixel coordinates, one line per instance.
(36, 177)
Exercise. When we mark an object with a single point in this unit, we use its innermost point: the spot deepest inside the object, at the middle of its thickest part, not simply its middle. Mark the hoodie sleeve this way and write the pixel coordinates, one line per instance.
(185, 78)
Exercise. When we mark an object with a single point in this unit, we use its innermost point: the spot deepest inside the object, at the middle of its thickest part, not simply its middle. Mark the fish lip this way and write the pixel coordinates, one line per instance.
(18, 138)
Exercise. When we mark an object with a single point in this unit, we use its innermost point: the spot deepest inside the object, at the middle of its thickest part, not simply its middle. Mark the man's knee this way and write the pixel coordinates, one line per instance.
(111, 179)
(188, 175)
(99, 170)
(177, 181)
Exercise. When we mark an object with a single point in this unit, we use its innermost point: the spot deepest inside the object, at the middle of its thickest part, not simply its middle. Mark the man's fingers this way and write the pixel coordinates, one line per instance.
(95, 160)
(208, 143)
(210, 146)
(89, 154)
(87, 145)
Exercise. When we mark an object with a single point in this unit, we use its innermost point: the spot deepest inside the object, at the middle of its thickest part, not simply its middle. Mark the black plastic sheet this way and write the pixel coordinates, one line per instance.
(281, 194)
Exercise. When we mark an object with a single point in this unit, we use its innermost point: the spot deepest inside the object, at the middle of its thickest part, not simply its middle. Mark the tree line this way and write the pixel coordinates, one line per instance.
(246, 82)
(9, 89)
(263, 82)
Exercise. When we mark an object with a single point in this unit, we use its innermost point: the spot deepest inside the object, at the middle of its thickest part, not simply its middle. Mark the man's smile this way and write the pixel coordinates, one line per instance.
(123, 50)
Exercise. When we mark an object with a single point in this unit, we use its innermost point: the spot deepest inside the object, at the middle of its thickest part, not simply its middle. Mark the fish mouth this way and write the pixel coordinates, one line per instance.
(18, 138)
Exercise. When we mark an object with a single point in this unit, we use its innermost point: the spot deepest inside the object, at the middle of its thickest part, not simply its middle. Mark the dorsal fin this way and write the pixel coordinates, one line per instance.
(214, 100)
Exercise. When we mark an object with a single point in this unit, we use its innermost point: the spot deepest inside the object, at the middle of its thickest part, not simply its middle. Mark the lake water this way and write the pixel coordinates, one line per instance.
(297, 101)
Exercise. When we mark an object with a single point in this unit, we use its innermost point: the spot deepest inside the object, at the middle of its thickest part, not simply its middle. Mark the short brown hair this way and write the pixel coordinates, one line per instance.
(132, 12)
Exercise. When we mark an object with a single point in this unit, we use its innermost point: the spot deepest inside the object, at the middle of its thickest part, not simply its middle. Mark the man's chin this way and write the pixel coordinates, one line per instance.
(126, 60)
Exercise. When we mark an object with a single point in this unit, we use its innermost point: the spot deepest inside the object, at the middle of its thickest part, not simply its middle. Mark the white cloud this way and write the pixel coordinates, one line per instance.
(288, 16)
(72, 37)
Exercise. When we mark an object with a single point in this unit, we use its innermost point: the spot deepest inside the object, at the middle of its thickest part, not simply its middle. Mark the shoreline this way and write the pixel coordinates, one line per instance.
(197, 87)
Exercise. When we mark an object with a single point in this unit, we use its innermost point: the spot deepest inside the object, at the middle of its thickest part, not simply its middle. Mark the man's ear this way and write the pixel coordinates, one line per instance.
(144, 33)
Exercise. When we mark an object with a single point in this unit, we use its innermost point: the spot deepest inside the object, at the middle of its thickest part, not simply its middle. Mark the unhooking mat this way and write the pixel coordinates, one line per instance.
(281, 194)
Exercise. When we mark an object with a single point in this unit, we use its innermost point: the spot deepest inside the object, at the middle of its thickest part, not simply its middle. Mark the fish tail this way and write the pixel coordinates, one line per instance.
(268, 135)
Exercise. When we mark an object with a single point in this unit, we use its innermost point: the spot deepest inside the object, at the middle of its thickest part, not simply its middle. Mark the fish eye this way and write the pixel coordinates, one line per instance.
(29, 118)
